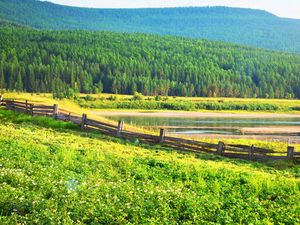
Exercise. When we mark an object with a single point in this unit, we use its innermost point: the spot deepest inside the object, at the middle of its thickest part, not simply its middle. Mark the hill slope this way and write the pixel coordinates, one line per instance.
(244, 26)
(55, 61)
(51, 175)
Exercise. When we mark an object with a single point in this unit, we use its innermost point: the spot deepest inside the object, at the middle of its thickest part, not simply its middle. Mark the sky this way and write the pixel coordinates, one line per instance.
(282, 8)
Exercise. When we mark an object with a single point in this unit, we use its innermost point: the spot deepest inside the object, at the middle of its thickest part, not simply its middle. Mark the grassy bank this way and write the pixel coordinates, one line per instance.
(52, 173)
(140, 102)
(131, 102)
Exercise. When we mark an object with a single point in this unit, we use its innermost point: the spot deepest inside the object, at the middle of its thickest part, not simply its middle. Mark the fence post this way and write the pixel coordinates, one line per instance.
(8, 104)
(69, 117)
(251, 152)
(31, 109)
(120, 128)
(26, 102)
(162, 134)
(55, 111)
(221, 148)
(290, 152)
(13, 105)
(1, 99)
(83, 121)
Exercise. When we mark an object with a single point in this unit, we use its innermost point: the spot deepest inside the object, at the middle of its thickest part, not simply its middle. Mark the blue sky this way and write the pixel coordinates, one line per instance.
(282, 8)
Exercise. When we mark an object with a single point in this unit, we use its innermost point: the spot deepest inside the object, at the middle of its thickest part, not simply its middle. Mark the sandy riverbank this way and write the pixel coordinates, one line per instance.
(272, 130)
(196, 114)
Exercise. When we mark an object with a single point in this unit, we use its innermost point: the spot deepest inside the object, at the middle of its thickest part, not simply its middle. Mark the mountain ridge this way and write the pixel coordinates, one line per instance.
(175, 7)
(250, 27)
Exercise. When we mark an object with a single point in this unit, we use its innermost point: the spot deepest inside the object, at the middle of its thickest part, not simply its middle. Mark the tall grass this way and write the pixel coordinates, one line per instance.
(11, 116)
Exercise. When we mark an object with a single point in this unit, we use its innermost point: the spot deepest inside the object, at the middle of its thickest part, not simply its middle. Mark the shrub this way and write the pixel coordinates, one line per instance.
(295, 108)
(137, 96)
(89, 98)
(158, 98)
(112, 98)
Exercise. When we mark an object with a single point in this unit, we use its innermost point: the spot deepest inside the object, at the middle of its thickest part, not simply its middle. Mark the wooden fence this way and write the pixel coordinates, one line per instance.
(185, 145)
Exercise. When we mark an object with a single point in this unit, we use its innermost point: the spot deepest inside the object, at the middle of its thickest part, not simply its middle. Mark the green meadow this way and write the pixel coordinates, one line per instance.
(53, 173)
(140, 102)
(104, 101)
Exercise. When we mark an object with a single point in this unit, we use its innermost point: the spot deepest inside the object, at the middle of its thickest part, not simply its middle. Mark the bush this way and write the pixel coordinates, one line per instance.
(137, 96)
(112, 98)
(89, 98)
(295, 108)
(158, 98)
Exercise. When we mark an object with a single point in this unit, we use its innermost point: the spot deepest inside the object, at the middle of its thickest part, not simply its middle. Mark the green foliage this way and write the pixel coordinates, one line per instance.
(70, 93)
(185, 105)
(98, 88)
(137, 96)
(295, 108)
(245, 26)
(157, 98)
(55, 176)
(6, 115)
(89, 98)
(92, 62)
(112, 98)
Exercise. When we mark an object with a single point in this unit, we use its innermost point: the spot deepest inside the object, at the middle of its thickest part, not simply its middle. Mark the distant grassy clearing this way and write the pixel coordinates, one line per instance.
(138, 102)
(126, 102)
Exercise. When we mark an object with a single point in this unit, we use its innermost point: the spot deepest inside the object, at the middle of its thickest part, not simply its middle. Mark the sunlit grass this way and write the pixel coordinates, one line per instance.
(283, 104)
(277, 146)
(52, 172)
(64, 104)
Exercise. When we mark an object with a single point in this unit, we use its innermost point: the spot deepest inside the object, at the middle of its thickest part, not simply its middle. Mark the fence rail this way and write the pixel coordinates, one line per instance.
(185, 145)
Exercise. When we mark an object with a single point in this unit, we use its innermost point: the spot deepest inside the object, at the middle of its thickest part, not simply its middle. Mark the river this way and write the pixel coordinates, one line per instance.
(207, 125)
(285, 127)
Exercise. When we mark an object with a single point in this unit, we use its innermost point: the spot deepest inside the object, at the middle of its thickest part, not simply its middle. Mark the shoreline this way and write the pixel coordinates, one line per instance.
(267, 138)
(196, 114)
(269, 130)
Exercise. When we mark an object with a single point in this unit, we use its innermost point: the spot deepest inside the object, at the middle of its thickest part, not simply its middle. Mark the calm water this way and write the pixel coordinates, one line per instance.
(210, 125)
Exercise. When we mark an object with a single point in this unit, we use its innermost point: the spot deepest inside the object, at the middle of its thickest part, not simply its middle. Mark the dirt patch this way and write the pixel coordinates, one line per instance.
(272, 130)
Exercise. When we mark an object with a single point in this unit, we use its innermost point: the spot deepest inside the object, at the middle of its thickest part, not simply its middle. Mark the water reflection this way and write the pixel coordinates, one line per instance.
(201, 125)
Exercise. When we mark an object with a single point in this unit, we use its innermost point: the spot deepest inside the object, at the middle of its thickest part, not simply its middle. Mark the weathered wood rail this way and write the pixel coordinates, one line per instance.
(180, 144)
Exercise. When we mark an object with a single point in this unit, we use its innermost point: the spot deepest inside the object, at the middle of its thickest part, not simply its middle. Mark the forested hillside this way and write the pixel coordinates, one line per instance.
(244, 26)
(92, 62)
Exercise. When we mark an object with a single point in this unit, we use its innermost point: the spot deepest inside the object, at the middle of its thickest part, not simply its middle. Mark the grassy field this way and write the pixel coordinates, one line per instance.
(126, 102)
(139, 102)
(52, 173)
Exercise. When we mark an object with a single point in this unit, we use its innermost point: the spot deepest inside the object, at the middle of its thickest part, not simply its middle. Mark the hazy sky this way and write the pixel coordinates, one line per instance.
(283, 8)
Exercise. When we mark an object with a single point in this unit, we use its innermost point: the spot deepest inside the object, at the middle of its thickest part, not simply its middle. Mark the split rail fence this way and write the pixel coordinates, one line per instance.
(180, 144)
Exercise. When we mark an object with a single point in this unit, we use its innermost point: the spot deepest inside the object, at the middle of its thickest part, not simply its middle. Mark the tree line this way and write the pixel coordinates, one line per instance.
(66, 62)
